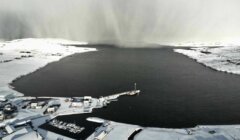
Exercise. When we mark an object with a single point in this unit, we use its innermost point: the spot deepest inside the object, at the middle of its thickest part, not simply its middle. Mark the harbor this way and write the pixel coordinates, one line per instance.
(31, 113)
(78, 103)
(71, 127)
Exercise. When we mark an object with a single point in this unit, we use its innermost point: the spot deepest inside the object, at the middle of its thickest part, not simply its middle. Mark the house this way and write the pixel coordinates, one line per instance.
(87, 100)
(37, 105)
(34, 105)
(51, 109)
(76, 104)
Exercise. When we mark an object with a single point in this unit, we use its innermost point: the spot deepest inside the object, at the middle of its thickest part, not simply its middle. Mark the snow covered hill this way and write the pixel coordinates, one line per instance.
(226, 59)
(21, 57)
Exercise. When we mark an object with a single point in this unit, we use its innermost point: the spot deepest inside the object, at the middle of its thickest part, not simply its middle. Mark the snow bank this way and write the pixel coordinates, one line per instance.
(21, 57)
(120, 131)
(225, 59)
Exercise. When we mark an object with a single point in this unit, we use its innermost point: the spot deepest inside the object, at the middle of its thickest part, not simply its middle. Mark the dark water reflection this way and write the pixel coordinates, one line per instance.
(176, 91)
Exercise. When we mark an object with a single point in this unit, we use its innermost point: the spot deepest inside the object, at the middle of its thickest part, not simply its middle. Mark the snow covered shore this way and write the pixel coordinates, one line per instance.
(120, 131)
(21, 57)
(225, 59)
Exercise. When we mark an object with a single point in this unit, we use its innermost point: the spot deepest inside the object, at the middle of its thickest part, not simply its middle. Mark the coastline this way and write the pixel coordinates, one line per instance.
(204, 92)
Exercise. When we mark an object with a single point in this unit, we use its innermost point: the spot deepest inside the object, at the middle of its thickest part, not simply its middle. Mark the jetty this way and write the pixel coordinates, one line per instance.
(128, 93)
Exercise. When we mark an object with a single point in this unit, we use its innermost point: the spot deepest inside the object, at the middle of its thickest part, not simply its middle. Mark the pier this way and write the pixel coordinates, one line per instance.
(116, 96)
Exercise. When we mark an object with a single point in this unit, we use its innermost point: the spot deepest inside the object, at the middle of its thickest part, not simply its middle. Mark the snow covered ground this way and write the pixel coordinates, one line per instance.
(21, 57)
(120, 131)
(225, 59)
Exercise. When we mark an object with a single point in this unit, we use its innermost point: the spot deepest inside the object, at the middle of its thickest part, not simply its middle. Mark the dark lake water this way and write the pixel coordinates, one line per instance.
(176, 91)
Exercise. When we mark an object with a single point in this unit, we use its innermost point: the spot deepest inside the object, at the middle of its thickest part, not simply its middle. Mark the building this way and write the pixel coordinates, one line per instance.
(51, 109)
(37, 105)
(9, 129)
(2, 116)
(87, 101)
(76, 104)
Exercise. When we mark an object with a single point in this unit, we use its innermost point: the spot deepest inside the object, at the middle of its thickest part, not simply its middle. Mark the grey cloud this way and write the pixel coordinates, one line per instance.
(149, 21)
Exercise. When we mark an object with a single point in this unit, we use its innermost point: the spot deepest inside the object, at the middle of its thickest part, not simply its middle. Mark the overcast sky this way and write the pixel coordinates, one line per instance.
(150, 21)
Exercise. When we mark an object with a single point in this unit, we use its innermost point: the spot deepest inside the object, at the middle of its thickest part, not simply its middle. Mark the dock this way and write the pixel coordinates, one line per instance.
(116, 96)
(128, 93)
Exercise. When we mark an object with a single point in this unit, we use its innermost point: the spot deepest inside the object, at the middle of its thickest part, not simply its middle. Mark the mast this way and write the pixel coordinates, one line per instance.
(135, 86)
(135, 89)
